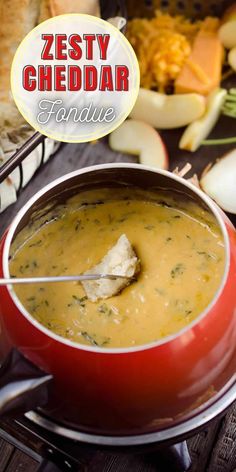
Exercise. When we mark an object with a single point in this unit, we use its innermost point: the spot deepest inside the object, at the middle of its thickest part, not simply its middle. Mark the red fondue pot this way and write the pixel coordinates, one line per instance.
(130, 391)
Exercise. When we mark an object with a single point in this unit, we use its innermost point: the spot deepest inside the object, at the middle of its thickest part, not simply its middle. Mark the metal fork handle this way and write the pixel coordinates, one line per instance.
(63, 278)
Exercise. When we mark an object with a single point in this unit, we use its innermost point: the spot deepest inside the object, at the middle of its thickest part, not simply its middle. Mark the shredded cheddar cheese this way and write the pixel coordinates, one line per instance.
(163, 44)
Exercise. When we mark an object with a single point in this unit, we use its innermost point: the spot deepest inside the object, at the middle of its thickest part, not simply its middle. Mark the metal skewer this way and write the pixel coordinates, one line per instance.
(64, 278)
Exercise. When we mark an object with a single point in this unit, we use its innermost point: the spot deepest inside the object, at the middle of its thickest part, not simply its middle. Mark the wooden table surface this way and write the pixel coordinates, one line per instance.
(212, 450)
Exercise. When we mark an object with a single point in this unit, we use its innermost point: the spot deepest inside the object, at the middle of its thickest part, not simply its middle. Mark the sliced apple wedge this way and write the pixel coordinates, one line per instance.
(167, 111)
(227, 31)
(220, 182)
(199, 129)
(139, 138)
(227, 34)
(232, 58)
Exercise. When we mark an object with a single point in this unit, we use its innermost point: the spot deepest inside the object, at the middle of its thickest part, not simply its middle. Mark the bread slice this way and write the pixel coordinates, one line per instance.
(120, 260)
(45, 11)
(59, 7)
(18, 17)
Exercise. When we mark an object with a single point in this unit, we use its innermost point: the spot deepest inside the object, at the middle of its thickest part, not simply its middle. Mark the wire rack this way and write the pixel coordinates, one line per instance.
(191, 8)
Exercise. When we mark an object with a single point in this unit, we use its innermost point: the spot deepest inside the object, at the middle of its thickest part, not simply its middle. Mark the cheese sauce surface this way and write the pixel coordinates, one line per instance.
(181, 251)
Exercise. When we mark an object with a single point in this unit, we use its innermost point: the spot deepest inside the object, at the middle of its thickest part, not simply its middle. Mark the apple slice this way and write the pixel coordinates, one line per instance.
(139, 138)
(220, 182)
(167, 111)
(227, 34)
(197, 131)
(232, 58)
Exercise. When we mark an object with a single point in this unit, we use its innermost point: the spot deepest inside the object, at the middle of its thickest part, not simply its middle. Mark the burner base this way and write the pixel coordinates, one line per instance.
(168, 436)
(174, 459)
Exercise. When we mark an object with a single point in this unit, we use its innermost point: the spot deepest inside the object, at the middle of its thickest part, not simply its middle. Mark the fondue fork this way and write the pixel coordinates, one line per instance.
(63, 278)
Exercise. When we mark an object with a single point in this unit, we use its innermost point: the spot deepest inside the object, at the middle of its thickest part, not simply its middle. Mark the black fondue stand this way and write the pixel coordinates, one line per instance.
(61, 454)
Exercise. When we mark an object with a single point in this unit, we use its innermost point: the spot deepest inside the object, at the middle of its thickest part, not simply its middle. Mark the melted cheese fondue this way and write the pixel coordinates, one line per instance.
(181, 252)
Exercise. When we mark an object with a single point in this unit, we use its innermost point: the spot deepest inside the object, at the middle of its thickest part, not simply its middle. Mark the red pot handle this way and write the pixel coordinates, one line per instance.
(23, 386)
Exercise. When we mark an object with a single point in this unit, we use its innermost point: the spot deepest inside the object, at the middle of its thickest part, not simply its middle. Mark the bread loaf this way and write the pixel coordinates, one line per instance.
(18, 17)
(45, 11)
(60, 7)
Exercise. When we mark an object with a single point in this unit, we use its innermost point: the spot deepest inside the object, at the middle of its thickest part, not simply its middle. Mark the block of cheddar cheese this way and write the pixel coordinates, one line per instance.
(201, 72)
